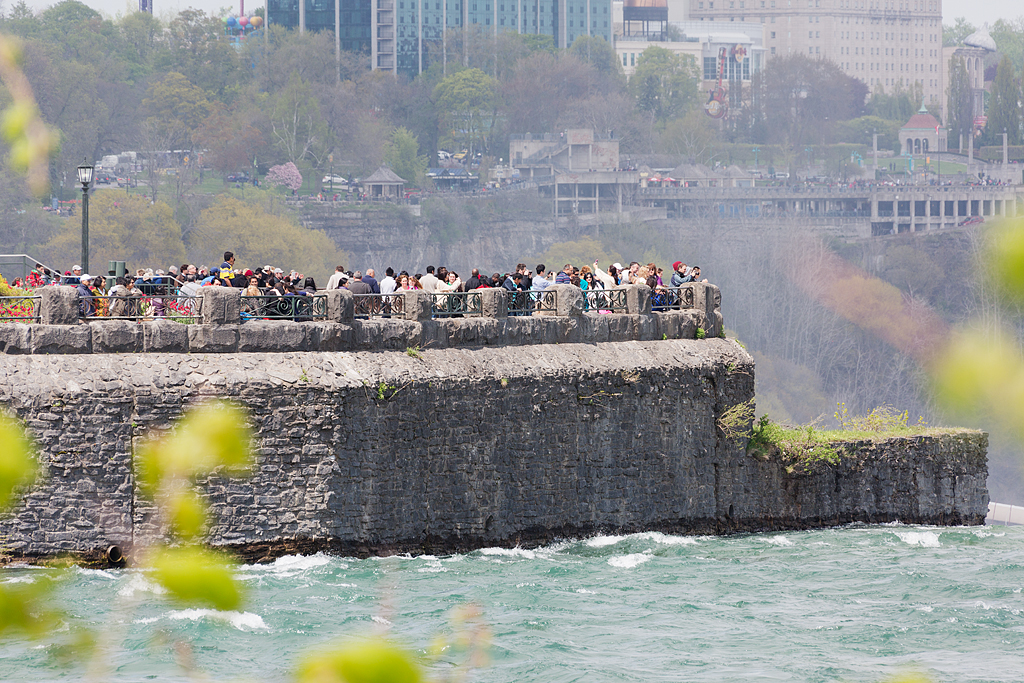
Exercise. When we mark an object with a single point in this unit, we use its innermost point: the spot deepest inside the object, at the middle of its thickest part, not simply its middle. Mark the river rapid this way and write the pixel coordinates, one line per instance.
(852, 604)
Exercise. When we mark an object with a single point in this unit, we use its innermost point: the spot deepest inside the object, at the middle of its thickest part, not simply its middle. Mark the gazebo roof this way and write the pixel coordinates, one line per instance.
(384, 176)
(922, 120)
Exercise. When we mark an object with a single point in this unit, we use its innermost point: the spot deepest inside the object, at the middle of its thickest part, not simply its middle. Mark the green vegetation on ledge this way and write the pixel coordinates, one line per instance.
(805, 447)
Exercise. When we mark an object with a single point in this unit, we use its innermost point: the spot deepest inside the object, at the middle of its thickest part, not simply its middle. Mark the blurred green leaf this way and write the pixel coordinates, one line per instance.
(1005, 258)
(979, 376)
(197, 577)
(22, 609)
(187, 514)
(209, 437)
(370, 661)
(17, 465)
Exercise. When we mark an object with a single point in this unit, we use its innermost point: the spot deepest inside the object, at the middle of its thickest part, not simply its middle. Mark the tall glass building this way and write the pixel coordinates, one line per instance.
(319, 16)
(402, 35)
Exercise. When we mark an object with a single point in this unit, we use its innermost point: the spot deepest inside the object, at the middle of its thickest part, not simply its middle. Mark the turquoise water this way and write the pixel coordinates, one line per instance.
(850, 604)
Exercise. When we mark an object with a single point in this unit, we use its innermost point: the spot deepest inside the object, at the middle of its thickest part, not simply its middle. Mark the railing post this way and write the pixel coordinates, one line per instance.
(340, 305)
(494, 302)
(569, 300)
(418, 305)
(638, 299)
(222, 305)
(58, 306)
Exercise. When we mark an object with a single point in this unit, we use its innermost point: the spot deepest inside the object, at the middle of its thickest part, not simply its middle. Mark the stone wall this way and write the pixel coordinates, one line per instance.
(448, 449)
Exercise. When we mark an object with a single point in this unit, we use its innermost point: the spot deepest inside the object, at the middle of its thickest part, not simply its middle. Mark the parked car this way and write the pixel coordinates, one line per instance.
(973, 220)
(461, 155)
(443, 155)
(242, 177)
(337, 179)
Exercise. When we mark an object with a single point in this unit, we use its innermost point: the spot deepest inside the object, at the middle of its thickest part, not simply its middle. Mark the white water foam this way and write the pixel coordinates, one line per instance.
(779, 541)
(433, 567)
(629, 561)
(510, 552)
(290, 565)
(101, 573)
(667, 539)
(240, 620)
(20, 579)
(584, 591)
(603, 541)
(138, 583)
(925, 539)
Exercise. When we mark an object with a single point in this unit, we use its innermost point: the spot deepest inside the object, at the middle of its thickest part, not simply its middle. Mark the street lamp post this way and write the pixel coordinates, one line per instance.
(85, 172)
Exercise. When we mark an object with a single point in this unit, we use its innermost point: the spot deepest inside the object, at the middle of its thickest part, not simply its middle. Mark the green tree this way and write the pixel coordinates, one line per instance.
(665, 84)
(297, 127)
(959, 100)
(401, 154)
(466, 105)
(121, 228)
(899, 104)
(176, 109)
(596, 52)
(954, 34)
(194, 45)
(258, 231)
(1009, 37)
(1004, 113)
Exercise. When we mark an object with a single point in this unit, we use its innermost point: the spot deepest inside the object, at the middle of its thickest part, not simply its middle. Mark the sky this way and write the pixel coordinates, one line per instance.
(976, 11)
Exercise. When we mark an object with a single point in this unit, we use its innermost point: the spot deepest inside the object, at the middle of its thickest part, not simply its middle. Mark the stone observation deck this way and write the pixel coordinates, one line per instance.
(341, 321)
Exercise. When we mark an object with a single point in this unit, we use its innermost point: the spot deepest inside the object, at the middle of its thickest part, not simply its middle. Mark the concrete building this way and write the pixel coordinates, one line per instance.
(576, 168)
(972, 51)
(881, 42)
(922, 134)
(745, 53)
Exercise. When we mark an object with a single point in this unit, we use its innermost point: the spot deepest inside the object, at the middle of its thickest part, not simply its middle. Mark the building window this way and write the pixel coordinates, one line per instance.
(624, 59)
(710, 68)
(773, 50)
(773, 34)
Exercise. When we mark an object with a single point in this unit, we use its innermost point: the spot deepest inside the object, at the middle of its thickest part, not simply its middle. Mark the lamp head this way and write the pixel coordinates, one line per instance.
(85, 172)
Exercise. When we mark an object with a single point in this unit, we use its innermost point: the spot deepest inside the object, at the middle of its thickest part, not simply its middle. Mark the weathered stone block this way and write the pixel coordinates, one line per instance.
(116, 336)
(340, 305)
(213, 338)
(15, 338)
(61, 339)
(273, 336)
(58, 305)
(331, 336)
(221, 305)
(569, 300)
(638, 299)
(418, 305)
(164, 336)
(494, 301)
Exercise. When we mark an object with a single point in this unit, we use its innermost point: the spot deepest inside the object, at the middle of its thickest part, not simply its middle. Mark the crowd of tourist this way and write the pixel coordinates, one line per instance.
(161, 292)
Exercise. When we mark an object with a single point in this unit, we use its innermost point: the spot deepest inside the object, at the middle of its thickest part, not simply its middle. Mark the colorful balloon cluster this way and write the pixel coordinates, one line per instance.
(244, 22)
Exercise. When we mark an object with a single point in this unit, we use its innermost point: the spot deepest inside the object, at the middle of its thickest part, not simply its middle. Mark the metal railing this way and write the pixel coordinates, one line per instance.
(292, 307)
(671, 298)
(19, 308)
(456, 304)
(379, 305)
(530, 302)
(173, 307)
(609, 300)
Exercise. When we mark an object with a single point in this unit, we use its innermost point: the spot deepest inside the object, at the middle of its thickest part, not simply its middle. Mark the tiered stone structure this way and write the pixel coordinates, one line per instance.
(488, 437)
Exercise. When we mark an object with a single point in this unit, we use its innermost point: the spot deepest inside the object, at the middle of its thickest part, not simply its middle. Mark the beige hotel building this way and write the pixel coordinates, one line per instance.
(878, 41)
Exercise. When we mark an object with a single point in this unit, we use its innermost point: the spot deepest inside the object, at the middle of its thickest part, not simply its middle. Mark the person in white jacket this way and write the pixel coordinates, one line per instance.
(607, 279)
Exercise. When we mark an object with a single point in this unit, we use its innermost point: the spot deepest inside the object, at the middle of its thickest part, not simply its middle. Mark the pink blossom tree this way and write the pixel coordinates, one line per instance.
(285, 174)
